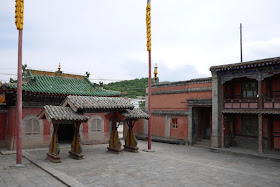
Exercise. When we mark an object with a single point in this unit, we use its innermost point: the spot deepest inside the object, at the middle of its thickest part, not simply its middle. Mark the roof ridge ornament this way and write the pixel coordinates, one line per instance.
(87, 74)
(59, 67)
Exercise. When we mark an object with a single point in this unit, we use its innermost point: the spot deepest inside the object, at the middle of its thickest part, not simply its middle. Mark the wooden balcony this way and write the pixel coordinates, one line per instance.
(241, 104)
(270, 103)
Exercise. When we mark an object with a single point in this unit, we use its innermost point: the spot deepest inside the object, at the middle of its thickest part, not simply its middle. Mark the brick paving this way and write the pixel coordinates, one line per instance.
(169, 165)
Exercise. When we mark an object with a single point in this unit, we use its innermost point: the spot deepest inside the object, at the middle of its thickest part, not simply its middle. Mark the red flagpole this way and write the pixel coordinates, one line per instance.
(149, 48)
(19, 100)
(149, 105)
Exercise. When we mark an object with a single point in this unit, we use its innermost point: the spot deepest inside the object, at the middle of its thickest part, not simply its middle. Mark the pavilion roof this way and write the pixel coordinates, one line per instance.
(135, 113)
(59, 83)
(97, 103)
(60, 113)
(68, 111)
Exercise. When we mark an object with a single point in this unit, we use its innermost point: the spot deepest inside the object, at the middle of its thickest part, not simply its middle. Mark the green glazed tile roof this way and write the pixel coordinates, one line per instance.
(61, 85)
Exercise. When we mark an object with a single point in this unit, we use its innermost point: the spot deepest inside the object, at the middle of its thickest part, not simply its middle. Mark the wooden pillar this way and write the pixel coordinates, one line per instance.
(223, 116)
(260, 103)
(114, 142)
(223, 130)
(199, 124)
(130, 140)
(53, 154)
(210, 124)
(76, 149)
(269, 130)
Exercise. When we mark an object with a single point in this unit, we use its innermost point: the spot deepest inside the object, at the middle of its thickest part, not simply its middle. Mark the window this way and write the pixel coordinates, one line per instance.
(249, 89)
(32, 127)
(96, 125)
(174, 123)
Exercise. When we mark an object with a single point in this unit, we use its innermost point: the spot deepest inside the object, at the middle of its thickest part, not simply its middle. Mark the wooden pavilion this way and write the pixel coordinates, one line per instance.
(72, 111)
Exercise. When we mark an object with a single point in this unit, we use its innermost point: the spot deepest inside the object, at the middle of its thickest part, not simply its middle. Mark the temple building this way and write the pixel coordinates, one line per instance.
(238, 106)
(181, 112)
(246, 105)
(42, 88)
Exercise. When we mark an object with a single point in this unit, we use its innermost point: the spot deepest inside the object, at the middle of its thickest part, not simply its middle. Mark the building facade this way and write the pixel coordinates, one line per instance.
(177, 110)
(239, 106)
(246, 105)
(42, 88)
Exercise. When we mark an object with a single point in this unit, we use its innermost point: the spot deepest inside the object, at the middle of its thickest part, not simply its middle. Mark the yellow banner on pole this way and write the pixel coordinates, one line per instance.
(2, 98)
(19, 14)
(148, 24)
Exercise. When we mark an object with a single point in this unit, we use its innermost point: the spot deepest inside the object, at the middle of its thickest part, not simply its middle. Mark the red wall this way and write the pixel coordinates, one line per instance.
(182, 128)
(169, 102)
(11, 121)
(158, 125)
(139, 126)
(25, 112)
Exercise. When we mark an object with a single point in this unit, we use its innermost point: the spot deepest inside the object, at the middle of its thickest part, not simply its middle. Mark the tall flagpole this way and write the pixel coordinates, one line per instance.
(149, 47)
(19, 24)
(241, 55)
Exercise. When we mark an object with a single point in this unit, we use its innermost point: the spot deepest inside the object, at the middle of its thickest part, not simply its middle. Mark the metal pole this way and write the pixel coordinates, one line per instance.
(241, 55)
(149, 105)
(19, 99)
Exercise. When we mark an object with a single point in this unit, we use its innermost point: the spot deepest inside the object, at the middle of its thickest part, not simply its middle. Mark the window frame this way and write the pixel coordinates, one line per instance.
(249, 90)
(29, 123)
(174, 122)
(96, 124)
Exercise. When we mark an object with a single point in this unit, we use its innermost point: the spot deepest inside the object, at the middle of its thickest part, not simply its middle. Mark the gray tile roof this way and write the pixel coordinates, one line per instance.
(62, 113)
(251, 111)
(97, 103)
(136, 113)
(249, 64)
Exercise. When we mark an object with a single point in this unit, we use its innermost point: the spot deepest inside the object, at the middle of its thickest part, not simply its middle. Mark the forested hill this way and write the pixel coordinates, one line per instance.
(130, 88)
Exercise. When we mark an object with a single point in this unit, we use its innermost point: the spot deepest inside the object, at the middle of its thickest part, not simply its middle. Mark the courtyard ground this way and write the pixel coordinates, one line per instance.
(169, 165)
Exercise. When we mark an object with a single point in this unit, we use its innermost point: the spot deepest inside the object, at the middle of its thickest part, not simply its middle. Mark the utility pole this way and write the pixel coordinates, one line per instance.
(241, 56)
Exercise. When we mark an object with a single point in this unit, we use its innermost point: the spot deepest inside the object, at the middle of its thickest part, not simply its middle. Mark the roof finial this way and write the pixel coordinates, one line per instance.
(155, 73)
(59, 67)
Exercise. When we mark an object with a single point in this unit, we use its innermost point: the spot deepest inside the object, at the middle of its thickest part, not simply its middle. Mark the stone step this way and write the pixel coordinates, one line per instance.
(202, 143)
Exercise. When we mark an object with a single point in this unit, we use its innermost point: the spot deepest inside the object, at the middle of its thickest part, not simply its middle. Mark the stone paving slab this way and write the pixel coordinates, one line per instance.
(28, 176)
(55, 173)
(169, 165)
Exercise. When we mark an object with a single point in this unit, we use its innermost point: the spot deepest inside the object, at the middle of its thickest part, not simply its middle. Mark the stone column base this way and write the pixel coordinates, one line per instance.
(131, 149)
(76, 155)
(53, 158)
(114, 150)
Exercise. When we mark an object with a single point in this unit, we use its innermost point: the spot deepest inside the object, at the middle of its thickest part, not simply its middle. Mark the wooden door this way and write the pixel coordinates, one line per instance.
(276, 134)
(3, 121)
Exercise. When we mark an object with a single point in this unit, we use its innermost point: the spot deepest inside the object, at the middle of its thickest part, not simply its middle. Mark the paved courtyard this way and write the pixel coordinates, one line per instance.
(169, 165)
(29, 176)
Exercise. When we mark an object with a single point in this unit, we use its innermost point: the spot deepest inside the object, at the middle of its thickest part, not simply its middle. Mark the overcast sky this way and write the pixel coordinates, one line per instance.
(108, 37)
